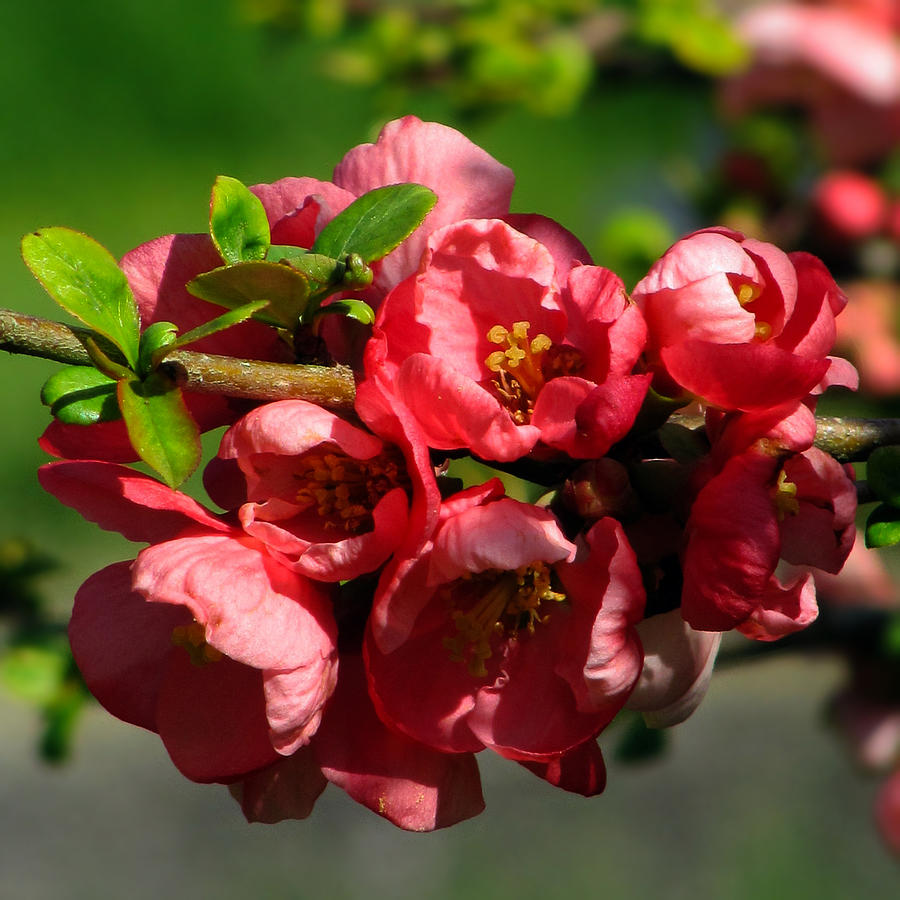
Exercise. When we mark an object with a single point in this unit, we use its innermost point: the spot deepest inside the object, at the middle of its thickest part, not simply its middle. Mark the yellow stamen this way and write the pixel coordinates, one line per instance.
(784, 496)
(344, 490)
(504, 603)
(524, 366)
(193, 638)
(747, 293)
(763, 330)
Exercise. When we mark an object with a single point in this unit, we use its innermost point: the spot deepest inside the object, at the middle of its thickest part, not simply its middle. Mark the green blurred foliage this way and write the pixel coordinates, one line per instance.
(36, 664)
(541, 55)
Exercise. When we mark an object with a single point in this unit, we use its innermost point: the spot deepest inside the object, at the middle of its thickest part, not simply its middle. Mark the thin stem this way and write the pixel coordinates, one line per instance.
(330, 386)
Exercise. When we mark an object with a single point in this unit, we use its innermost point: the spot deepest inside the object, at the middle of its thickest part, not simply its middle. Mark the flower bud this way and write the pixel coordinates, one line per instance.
(600, 488)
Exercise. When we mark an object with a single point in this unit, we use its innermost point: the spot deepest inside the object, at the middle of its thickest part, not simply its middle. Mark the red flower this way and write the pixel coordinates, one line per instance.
(719, 305)
(488, 353)
(502, 633)
(762, 506)
(205, 638)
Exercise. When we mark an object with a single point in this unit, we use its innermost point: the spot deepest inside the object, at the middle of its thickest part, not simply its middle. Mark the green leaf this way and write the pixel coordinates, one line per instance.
(160, 427)
(85, 280)
(640, 743)
(376, 223)
(285, 289)
(883, 527)
(686, 445)
(33, 673)
(320, 269)
(282, 252)
(237, 221)
(883, 474)
(80, 395)
(156, 338)
(352, 309)
(213, 326)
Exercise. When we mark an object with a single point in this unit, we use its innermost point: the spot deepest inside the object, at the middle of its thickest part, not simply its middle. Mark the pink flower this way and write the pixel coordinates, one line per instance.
(852, 205)
(866, 332)
(762, 506)
(501, 633)
(842, 63)
(330, 498)
(205, 638)
(719, 305)
(490, 354)
(413, 786)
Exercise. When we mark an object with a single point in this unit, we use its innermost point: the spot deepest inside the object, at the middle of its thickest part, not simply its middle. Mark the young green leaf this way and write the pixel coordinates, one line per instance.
(160, 427)
(85, 280)
(157, 338)
(883, 526)
(285, 289)
(376, 223)
(237, 222)
(80, 395)
(352, 309)
(283, 252)
(319, 269)
(220, 323)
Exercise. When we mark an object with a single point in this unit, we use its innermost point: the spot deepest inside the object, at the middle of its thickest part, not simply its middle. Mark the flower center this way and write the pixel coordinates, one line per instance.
(193, 638)
(524, 366)
(344, 490)
(499, 604)
(746, 293)
(784, 495)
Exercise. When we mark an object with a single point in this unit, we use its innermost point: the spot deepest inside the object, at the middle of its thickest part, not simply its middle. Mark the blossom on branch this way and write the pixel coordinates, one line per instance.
(518, 639)
(495, 350)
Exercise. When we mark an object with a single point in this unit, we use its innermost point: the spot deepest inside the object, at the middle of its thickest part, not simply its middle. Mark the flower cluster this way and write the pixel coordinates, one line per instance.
(363, 611)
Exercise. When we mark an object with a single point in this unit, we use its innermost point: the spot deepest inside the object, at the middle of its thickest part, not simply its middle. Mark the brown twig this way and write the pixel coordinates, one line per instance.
(330, 386)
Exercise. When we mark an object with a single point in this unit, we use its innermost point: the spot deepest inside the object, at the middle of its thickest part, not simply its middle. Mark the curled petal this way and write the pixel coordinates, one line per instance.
(295, 700)
(119, 499)
(583, 419)
(782, 610)
(730, 557)
(678, 666)
(255, 610)
(718, 373)
(503, 535)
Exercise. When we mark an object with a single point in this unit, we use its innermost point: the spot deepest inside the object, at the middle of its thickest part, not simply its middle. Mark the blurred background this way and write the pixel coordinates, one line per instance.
(631, 124)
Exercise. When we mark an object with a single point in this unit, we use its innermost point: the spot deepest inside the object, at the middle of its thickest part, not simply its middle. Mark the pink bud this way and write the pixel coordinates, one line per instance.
(851, 204)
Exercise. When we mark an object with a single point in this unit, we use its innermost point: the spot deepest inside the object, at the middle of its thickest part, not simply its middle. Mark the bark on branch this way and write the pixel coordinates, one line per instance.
(330, 386)
(334, 387)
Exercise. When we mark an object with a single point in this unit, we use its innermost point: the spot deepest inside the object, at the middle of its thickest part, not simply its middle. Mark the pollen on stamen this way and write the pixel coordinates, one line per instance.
(784, 496)
(504, 604)
(747, 293)
(763, 330)
(192, 638)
